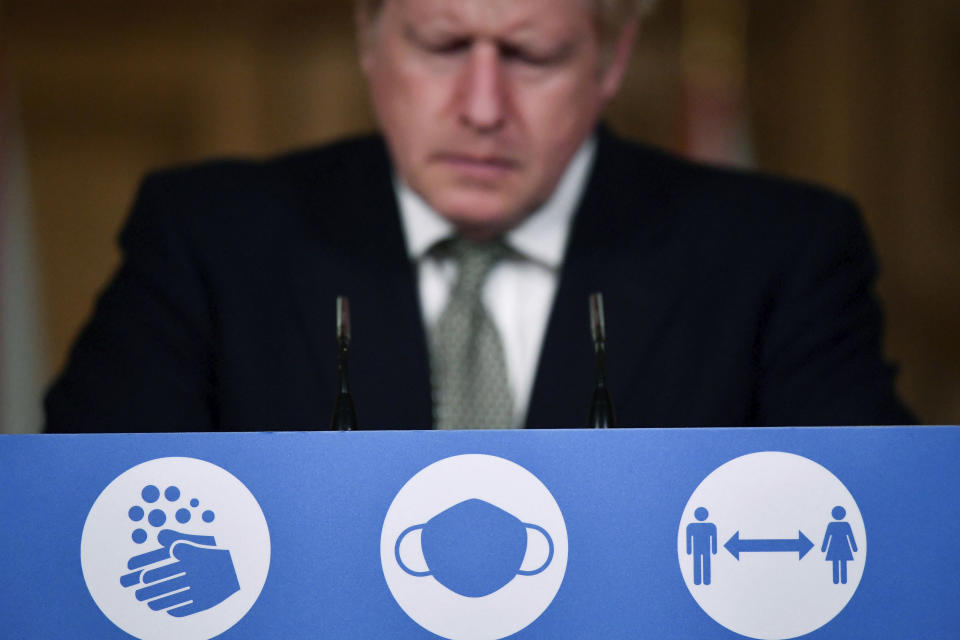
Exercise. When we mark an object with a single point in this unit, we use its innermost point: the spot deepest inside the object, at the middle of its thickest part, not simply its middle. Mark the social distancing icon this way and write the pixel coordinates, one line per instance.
(747, 552)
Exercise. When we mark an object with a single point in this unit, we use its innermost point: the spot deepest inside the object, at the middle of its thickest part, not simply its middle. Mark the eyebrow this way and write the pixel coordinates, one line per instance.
(511, 41)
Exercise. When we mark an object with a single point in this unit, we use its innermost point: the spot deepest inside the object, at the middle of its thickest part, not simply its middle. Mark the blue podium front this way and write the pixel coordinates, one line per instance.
(627, 533)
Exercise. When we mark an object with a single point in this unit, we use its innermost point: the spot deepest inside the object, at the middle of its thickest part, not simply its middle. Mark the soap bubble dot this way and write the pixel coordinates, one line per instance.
(183, 516)
(208, 516)
(157, 517)
(172, 494)
(139, 536)
(150, 493)
(194, 503)
(136, 514)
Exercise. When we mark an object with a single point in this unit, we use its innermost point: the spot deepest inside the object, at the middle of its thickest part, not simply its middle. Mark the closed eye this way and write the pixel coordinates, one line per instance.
(536, 59)
(517, 54)
(447, 46)
(437, 44)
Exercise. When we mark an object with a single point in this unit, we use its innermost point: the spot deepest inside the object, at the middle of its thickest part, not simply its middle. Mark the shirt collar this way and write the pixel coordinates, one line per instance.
(541, 237)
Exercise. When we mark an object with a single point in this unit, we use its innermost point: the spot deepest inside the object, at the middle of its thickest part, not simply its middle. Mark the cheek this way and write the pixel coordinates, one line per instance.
(405, 106)
(558, 117)
(407, 102)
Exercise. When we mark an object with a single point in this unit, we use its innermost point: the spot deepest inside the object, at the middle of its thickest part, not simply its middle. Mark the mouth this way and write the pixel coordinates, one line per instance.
(478, 167)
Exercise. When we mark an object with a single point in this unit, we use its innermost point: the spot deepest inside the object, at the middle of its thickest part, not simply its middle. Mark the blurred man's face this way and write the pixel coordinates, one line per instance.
(483, 102)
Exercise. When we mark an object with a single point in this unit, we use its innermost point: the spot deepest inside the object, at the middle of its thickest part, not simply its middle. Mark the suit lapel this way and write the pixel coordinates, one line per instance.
(353, 245)
(617, 245)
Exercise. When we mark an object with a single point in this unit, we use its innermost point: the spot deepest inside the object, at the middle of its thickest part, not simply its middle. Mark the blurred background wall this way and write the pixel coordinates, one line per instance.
(857, 94)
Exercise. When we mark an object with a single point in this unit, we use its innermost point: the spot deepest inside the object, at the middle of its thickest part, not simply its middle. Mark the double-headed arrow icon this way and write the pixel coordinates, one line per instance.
(801, 544)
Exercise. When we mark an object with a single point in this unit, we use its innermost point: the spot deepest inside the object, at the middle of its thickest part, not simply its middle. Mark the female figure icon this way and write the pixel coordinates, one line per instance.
(839, 544)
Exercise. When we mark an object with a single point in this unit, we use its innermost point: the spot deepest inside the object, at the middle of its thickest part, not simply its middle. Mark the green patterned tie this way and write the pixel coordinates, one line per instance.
(467, 366)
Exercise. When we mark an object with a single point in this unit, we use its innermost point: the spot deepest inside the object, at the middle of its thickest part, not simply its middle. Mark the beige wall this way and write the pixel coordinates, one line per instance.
(863, 96)
(849, 93)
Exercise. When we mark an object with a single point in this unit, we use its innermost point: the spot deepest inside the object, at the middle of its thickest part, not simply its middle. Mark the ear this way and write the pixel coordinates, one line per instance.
(612, 75)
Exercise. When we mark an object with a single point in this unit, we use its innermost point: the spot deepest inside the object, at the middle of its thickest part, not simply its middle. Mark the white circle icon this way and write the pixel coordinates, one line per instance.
(772, 545)
(474, 547)
(175, 548)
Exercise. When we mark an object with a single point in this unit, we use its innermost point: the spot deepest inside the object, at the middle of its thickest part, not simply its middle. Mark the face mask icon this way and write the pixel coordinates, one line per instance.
(474, 548)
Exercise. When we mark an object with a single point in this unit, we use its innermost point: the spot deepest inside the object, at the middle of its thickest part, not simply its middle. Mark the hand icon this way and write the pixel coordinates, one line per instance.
(201, 576)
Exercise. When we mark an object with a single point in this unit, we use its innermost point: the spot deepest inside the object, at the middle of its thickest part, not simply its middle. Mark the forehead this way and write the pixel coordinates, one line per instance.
(494, 16)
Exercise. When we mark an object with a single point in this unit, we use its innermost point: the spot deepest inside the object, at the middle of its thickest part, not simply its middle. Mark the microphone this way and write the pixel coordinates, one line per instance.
(344, 417)
(601, 414)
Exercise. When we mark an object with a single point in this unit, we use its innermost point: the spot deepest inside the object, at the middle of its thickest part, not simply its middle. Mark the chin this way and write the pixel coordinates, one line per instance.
(480, 217)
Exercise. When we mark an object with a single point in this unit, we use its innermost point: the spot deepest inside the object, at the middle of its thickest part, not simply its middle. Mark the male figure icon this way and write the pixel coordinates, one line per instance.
(701, 543)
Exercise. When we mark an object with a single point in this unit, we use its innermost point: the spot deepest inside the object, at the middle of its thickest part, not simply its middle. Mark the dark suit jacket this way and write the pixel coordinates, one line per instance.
(731, 299)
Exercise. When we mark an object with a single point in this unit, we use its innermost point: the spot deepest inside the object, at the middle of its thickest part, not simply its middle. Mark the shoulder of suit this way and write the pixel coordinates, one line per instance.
(331, 162)
(732, 198)
(243, 193)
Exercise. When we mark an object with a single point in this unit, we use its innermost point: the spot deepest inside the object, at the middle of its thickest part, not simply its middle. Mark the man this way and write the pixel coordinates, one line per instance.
(468, 244)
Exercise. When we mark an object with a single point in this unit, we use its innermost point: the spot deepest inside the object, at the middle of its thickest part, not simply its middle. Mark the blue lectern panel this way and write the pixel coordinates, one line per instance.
(692, 533)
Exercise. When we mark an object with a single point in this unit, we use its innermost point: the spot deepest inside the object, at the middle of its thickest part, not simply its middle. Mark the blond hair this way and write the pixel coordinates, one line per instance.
(611, 14)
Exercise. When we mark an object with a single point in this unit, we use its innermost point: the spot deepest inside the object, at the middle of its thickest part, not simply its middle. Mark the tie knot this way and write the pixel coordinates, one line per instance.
(474, 261)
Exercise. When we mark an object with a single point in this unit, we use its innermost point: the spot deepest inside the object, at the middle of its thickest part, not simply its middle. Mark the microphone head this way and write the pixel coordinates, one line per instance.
(343, 321)
(598, 327)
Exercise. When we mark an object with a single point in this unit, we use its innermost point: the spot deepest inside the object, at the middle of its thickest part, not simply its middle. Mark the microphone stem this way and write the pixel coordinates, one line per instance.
(601, 414)
(344, 417)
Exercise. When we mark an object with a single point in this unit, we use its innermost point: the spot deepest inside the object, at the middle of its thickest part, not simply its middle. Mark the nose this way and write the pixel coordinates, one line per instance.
(483, 97)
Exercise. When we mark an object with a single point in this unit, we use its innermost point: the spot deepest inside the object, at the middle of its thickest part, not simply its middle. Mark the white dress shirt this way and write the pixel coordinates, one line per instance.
(518, 292)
